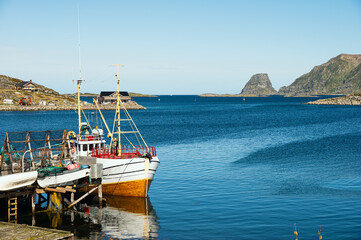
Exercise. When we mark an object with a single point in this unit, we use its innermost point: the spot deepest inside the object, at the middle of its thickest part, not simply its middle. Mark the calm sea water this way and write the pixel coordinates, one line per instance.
(230, 169)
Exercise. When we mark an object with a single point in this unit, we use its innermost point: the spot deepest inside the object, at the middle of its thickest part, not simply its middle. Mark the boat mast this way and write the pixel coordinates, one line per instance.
(118, 111)
(78, 82)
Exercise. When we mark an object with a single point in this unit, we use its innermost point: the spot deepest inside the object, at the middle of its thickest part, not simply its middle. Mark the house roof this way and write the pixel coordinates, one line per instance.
(24, 83)
(108, 93)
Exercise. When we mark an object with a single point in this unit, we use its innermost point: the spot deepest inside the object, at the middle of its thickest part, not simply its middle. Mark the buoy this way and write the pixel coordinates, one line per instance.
(295, 232)
(319, 234)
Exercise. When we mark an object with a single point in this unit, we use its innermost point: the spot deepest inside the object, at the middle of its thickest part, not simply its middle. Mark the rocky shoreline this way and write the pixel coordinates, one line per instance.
(344, 100)
(227, 95)
(129, 106)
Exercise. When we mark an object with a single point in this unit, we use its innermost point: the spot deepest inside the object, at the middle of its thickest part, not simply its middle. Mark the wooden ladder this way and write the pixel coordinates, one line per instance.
(13, 209)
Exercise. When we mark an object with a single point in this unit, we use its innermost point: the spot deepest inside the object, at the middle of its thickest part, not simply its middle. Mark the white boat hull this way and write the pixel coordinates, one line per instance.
(62, 179)
(17, 180)
(128, 177)
(130, 169)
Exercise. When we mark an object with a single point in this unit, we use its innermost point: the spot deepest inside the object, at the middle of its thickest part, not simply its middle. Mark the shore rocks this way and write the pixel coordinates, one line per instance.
(344, 100)
(129, 106)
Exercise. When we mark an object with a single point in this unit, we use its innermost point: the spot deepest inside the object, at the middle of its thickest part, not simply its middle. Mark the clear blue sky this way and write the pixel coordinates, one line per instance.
(173, 47)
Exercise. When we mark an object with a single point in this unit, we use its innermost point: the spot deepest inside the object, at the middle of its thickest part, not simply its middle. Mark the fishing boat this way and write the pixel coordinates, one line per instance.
(128, 168)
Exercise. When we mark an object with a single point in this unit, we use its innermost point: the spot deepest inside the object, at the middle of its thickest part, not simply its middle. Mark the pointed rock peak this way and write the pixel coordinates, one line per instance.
(259, 85)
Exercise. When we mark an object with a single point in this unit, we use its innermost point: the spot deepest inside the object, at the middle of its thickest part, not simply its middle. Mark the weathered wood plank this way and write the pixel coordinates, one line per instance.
(66, 189)
(54, 190)
(22, 231)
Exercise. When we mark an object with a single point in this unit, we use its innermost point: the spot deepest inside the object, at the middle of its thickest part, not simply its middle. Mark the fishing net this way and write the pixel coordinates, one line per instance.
(34, 148)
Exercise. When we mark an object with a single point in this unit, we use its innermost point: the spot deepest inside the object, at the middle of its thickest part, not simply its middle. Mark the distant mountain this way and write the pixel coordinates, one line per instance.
(340, 75)
(259, 85)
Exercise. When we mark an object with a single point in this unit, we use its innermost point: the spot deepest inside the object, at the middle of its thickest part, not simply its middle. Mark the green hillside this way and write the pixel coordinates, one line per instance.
(340, 75)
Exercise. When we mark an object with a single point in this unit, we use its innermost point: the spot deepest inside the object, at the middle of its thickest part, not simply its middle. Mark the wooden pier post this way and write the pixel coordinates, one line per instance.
(33, 199)
(100, 195)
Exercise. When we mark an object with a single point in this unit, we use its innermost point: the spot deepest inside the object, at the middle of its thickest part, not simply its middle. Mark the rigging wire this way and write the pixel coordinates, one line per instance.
(86, 119)
(135, 133)
(127, 113)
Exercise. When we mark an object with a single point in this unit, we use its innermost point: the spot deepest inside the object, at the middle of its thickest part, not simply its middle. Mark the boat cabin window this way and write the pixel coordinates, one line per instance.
(79, 147)
(85, 147)
(90, 147)
(102, 145)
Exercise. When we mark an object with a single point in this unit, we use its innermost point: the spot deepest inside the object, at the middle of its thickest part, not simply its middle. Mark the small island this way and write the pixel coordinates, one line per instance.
(96, 95)
(18, 95)
(258, 86)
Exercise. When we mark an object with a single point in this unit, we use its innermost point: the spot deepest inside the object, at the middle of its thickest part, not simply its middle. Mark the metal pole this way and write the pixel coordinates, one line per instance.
(22, 160)
(79, 113)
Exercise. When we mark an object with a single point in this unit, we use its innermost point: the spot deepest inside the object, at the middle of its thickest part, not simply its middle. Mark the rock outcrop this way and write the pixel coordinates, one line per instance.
(340, 75)
(259, 85)
(344, 100)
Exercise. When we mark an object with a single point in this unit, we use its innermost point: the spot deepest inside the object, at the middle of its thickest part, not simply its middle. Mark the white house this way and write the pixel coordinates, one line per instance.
(8, 101)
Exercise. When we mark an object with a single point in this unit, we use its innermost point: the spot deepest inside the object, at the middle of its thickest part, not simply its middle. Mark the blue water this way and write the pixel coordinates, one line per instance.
(234, 169)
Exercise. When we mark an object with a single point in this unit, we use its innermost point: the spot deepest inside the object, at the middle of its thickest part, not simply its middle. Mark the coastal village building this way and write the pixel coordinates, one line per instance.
(8, 101)
(27, 86)
(110, 97)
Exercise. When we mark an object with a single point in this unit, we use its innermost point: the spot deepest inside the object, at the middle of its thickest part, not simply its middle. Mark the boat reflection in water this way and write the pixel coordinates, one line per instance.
(126, 218)
(121, 218)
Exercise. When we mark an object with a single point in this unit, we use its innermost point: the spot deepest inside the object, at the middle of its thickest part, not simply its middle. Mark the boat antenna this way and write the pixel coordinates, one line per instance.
(79, 55)
(80, 80)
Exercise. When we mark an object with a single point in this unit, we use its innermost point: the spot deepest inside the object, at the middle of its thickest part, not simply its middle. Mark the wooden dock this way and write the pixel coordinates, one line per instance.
(22, 231)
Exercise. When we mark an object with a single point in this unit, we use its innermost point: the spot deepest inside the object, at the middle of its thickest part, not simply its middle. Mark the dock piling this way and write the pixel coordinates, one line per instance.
(33, 199)
(100, 195)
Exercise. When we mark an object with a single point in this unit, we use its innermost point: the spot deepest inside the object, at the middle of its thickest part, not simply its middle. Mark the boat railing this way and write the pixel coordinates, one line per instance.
(91, 138)
(126, 151)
